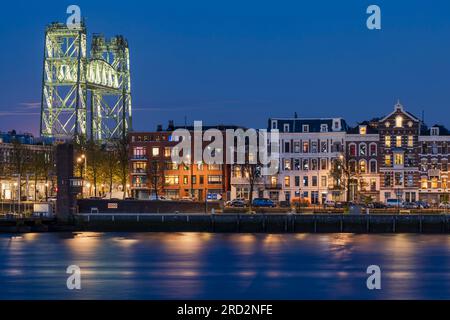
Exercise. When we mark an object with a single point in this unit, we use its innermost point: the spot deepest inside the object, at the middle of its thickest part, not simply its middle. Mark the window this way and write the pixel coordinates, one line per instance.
(200, 166)
(373, 166)
(306, 147)
(410, 180)
(410, 141)
(373, 149)
(398, 179)
(287, 147)
(399, 122)
(305, 165)
(171, 180)
(387, 160)
(434, 183)
(314, 181)
(398, 159)
(139, 153)
(314, 164)
(155, 151)
(214, 167)
(373, 184)
(387, 179)
(297, 181)
(323, 181)
(287, 181)
(352, 166)
(201, 179)
(274, 124)
(363, 149)
(398, 141)
(214, 179)
(323, 128)
(305, 128)
(434, 131)
(167, 152)
(323, 147)
(185, 179)
(323, 164)
(305, 181)
(287, 164)
(362, 166)
(424, 183)
(362, 130)
(352, 150)
(139, 167)
(387, 141)
(296, 164)
(314, 147)
(297, 147)
(286, 127)
(194, 179)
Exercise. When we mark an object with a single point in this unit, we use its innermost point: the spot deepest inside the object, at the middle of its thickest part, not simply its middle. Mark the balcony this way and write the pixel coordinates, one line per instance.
(138, 157)
(139, 171)
(273, 186)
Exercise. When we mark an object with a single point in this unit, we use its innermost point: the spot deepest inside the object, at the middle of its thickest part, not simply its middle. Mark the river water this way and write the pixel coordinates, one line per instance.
(224, 266)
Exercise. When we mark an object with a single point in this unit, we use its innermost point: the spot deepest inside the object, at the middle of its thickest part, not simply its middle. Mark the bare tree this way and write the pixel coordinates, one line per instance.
(252, 173)
(156, 176)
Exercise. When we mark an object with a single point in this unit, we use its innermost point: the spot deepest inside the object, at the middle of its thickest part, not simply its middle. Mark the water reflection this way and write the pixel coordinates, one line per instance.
(224, 266)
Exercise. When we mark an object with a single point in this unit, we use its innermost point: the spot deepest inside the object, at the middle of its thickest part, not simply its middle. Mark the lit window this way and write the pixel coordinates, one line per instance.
(398, 141)
(362, 129)
(155, 151)
(387, 160)
(388, 141)
(362, 166)
(398, 159)
(399, 122)
(424, 183)
(410, 141)
(434, 183)
(166, 152)
(287, 181)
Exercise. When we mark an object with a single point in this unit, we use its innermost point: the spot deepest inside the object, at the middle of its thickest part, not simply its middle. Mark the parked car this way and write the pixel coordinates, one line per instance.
(444, 205)
(378, 205)
(187, 198)
(153, 197)
(263, 202)
(329, 204)
(410, 205)
(422, 205)
(237, 203)
(394, 203)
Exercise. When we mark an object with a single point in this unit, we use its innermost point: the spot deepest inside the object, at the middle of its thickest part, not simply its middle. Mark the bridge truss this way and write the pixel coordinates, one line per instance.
(71, 78)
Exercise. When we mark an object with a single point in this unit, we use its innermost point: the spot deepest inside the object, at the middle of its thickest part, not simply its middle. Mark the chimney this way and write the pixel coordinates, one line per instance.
(171, 126)
(159, 128)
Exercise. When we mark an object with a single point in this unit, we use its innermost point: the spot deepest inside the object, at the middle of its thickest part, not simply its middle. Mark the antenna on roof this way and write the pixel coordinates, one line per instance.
(423, 116)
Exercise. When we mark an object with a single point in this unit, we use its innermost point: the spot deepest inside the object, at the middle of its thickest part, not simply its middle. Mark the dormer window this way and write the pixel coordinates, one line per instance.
(286, 127)
(323, 128)
(336, 125)
(399, 122)
(274, 124)
(434, 131)
(362, 129)
(305, 128)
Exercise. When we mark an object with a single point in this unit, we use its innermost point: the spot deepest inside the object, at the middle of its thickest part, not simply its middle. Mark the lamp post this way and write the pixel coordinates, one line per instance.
(82, 162)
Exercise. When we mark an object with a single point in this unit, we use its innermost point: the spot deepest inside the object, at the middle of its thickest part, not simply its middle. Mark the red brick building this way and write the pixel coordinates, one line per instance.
(152, 171)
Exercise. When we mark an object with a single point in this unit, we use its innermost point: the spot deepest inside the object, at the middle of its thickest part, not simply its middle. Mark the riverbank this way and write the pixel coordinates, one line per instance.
(239, 223)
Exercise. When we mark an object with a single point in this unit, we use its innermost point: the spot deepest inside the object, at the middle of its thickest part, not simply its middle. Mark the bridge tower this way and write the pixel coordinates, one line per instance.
(110, 84)
(64, 88)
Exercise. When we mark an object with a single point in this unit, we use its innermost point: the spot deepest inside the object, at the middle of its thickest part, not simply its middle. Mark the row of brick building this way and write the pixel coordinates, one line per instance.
(396, 156)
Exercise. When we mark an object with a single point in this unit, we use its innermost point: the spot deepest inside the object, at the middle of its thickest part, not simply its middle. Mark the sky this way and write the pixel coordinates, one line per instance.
(241, 62)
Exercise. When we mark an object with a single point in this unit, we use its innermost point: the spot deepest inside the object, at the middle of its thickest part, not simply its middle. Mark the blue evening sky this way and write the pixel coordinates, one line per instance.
(241, 62)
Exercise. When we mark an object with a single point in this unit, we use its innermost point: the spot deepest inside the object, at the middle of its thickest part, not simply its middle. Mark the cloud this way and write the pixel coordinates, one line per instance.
(31, 105)
(18, 113)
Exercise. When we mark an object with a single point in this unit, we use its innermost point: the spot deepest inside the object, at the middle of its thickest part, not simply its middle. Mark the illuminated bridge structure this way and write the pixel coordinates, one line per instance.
(85, 96)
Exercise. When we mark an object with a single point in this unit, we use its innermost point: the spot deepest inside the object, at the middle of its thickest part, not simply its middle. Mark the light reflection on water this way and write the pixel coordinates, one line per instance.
(224, 266)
